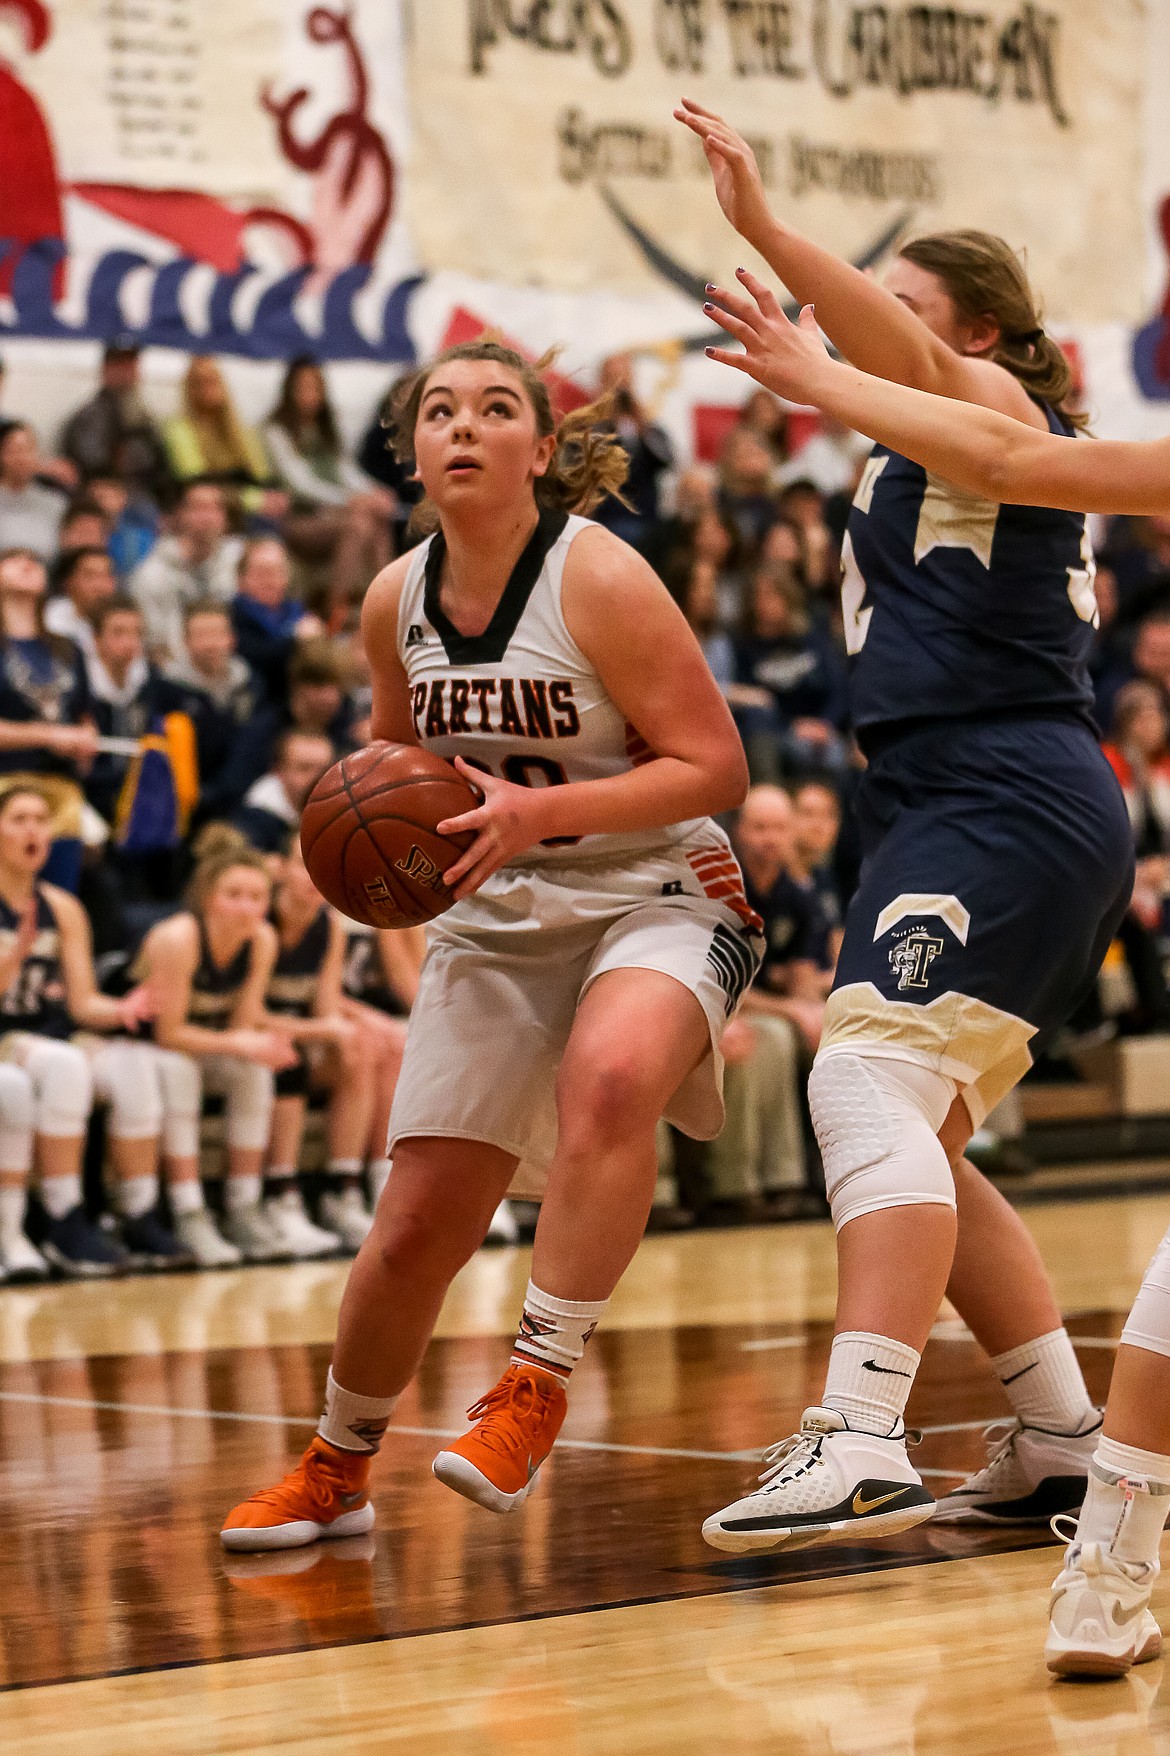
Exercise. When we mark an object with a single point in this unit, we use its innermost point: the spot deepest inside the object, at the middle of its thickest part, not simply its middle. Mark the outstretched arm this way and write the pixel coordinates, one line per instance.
(976, 449)
(872, 328)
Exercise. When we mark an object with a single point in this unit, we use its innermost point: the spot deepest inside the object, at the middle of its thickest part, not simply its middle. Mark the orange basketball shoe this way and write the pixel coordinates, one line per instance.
(516, 1423)
(324, 1496)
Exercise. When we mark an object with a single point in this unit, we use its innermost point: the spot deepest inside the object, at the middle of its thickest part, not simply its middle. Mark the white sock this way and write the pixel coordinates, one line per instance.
(185, 1196)
(61, 1194)
(134, 1196)
(13, 1205)
(1126, 1503)
(240, 1192)
(869, 1380)
(1045, 1384)
(354, 1423)
(553, 1332)
(379, 1173)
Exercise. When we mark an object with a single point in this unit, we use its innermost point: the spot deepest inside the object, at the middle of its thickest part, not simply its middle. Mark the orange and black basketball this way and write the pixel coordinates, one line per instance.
(369, 839)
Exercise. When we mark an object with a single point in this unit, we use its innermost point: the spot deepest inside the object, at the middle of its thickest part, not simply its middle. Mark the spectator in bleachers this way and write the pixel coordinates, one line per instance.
(830, 460)
(789, 697)
(764, 839)
(268, 622)
(803, 506)
(1139, 754)
(113, 433)
(30, 512)
(340, 519)
(45, 725)
(698, 598)
(1138, 552)
(766, 418)
(235, 723)
(272, 807)
(84, 525)
(317, 697)
(646, 445)
(715, 538)
(124, 693)
(197, 560)
(207, 970)
(1148, 661)
(83, 580)
(132, 522)
(208, 439)
(812, 862)
(745, 484)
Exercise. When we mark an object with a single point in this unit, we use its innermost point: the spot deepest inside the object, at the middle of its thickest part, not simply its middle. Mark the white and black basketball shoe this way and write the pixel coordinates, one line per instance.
(826, 1484)
(1029, 1478)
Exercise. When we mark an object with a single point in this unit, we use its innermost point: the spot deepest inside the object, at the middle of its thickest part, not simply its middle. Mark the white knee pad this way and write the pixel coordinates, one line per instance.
(250, 1092)
(17, 1111)
(181, 1088)
(125, 1076)
(1148, 1325)
(877, 1122)
(62, 1086)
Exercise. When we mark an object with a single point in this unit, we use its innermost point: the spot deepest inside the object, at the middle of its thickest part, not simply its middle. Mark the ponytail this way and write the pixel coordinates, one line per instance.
(986, 279)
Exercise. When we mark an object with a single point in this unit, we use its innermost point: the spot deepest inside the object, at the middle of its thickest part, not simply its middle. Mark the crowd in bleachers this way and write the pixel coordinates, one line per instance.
(196, 582)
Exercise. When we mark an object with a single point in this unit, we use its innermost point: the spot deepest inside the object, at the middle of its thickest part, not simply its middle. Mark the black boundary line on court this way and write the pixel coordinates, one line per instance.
(1016, 1542)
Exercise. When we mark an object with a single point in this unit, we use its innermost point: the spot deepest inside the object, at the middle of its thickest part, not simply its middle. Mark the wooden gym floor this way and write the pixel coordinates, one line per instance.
(595, 1620)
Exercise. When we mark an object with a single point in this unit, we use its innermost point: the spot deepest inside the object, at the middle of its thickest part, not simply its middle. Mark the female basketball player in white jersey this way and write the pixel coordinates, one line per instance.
(998, 863)
(1101, 1623)
(578, 988)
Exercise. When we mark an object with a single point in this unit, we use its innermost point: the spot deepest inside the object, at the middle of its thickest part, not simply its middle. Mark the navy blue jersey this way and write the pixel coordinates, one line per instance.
(41, 679)
(292, 986)
(958, 607)
(35, 998)
(791, 917)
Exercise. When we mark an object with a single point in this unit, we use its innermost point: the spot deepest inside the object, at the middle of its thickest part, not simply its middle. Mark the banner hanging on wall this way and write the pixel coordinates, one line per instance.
(545, 149)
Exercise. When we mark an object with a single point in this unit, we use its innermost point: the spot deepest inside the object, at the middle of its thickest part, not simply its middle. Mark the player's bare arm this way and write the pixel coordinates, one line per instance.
(877, 329)
(978, 450)
(87, 1005)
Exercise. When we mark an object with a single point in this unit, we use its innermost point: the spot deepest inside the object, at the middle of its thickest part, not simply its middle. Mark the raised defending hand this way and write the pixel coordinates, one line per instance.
(739, 188)
(510, 819)
(789, 358)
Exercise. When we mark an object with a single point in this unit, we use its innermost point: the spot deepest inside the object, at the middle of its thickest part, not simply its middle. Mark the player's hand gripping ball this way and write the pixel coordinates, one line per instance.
(369, 838)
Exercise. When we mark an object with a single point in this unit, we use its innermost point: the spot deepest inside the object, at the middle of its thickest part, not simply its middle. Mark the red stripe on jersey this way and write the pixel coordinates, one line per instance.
(719, 874)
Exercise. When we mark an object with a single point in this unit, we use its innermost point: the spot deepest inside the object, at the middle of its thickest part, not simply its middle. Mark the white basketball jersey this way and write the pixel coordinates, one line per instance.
(520, 700)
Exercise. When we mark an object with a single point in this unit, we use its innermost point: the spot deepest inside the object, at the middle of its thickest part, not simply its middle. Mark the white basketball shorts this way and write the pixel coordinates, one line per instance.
(506, 969)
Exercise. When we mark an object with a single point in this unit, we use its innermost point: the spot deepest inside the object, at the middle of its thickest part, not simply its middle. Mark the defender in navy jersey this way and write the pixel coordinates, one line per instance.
(1100, 1622)
(997, 863)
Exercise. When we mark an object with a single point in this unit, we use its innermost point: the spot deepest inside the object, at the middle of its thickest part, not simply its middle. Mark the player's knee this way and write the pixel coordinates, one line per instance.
(62, 1085)
(876, 1121)
(419, 1240)
(250, 1096)
(603, 1101)
(17, 1112)
(126, 1077)
(1148, 1324)
(181, 1088)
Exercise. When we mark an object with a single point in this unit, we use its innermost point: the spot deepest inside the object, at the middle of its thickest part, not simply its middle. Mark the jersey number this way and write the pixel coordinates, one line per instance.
(522, 772)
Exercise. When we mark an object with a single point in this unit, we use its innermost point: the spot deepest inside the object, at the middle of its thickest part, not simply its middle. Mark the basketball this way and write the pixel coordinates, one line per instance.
(369, 838)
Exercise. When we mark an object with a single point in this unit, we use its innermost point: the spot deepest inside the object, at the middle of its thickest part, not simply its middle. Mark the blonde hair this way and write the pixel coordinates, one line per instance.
(218, 849)
(589, 462)
(985, 278)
